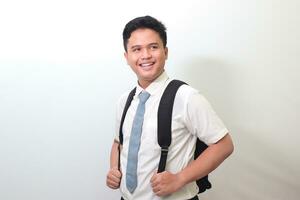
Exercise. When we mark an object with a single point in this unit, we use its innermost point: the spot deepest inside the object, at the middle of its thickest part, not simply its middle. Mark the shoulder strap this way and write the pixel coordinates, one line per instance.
(128, 102)
(164, 121)
(164, 133)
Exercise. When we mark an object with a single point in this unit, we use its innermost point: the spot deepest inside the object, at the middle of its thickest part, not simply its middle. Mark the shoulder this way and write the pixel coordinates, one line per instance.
(189, 96)
(185, 92)
(123, 96)
(122, 99)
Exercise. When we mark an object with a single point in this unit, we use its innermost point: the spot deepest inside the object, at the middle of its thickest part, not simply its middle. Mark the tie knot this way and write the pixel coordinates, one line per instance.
(143, 96)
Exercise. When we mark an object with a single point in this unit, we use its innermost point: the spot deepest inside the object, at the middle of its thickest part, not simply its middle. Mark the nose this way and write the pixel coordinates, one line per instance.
(146, 54)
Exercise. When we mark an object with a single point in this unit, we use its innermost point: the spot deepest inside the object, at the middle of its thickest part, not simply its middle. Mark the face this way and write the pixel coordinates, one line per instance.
(146, 55)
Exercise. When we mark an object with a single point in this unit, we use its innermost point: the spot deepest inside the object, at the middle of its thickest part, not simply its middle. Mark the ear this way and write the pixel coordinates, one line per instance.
(166, 52)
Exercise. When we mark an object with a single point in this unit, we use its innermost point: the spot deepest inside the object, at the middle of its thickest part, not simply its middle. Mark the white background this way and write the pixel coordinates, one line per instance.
(62, 70)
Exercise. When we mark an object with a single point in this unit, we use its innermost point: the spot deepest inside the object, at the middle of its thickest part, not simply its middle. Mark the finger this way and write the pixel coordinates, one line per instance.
(113, 178)
(116, 173)
(113, 187)
(113, 183)
(156, 189)
(110, 184)
(159, 193)
(154, 176)
(155, 184)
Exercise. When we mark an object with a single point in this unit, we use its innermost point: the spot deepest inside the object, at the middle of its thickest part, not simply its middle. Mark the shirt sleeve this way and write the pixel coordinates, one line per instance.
(202, 121)
(119, 111)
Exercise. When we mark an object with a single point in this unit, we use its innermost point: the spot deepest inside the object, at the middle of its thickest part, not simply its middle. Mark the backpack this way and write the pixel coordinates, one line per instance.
(164, 134)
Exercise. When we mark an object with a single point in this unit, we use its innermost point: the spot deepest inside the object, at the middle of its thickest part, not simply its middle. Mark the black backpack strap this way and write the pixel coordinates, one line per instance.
(164, 121)
(128, 102)
(203, 183)
(164, 131)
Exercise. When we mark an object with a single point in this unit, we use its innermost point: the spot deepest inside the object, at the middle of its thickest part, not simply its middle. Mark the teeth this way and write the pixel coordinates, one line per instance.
(146, 64)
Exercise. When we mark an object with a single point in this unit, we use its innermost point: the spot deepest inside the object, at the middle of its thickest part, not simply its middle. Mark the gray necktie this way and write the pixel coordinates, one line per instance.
(134, 143)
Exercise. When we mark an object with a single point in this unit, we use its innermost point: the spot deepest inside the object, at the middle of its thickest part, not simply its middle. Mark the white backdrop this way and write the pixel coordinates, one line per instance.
(62, 71)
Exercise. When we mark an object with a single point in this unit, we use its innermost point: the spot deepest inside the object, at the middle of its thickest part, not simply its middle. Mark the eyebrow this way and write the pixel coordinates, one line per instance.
(136, 46)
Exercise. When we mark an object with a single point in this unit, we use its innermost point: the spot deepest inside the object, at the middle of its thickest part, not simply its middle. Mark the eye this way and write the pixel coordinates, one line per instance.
(137, 49)
(154, 47)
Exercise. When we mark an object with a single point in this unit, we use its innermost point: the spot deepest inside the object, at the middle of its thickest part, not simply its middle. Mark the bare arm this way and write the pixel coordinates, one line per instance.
(166, 183)
(114, 155)
(114, 175)
(209, 160)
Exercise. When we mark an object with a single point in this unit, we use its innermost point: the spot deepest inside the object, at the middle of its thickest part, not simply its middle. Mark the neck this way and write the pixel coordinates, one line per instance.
(145, 83)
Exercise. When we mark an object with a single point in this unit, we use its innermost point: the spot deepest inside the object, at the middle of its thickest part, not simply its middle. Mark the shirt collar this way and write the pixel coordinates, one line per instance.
(155, 86)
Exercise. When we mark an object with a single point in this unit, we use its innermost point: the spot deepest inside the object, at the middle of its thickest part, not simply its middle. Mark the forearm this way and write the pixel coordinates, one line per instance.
(114, 175)
(209, 160)
(114, 155)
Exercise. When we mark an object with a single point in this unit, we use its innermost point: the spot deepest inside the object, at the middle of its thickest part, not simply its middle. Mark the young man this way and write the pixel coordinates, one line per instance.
(145, 43)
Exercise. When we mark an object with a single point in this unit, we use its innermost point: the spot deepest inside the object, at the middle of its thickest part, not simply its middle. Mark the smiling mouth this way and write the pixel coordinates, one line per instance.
(147, 64)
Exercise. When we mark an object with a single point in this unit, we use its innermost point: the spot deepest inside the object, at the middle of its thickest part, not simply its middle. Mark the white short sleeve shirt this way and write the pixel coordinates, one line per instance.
(192, 117)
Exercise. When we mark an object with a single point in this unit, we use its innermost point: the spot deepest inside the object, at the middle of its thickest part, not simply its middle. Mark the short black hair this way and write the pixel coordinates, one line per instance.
(144, 22)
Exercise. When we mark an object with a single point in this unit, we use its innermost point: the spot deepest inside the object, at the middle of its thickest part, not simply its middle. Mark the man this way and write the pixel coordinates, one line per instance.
(145, 43)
